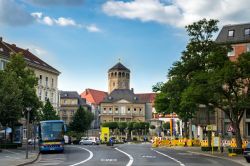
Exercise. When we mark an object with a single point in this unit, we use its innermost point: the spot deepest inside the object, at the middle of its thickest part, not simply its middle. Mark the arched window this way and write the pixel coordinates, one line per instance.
(119, 74)
(123, 74)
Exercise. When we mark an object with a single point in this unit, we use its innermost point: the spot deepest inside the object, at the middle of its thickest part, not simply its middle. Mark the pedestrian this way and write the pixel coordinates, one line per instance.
(110, 141)
(222, 147)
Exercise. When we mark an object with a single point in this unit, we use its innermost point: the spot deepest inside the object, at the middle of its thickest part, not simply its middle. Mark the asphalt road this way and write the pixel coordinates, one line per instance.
(127, 155)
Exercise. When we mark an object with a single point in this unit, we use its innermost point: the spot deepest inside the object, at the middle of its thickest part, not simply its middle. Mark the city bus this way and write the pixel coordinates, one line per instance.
(51, 135)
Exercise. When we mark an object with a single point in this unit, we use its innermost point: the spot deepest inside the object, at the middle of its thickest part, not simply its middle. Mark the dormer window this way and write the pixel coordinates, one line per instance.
(231, 33)
(247, 32)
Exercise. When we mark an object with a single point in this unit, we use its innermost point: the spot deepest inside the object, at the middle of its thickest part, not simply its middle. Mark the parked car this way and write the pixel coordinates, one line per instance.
(246, 153)
(90, 141)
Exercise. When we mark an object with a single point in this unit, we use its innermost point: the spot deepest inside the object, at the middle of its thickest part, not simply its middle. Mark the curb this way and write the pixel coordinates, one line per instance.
(30, 162)
(209, 155)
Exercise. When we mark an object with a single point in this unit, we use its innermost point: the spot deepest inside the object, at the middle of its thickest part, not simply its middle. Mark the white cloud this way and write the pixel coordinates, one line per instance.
(62, 21)
(48, 21)
(93, 28)
(65, 22)
(179, 12)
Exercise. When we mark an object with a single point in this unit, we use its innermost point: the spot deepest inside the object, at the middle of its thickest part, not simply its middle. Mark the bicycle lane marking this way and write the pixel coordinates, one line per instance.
(131, 159)
(181, 164)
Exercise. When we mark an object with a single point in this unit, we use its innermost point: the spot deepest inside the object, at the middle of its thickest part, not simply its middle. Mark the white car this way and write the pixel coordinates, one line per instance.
(31, 141)
(89, 141)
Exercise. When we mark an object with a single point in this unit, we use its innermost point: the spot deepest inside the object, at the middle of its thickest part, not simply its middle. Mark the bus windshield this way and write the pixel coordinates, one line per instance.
(52, 131)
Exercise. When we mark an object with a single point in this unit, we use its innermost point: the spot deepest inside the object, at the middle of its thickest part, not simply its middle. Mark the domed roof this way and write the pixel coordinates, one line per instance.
(119, 66)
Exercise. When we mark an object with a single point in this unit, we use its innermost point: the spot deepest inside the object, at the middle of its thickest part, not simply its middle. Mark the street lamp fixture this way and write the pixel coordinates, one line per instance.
(27, 129)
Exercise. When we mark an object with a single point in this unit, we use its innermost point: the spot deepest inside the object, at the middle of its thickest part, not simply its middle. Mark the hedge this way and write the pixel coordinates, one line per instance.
(235, 150)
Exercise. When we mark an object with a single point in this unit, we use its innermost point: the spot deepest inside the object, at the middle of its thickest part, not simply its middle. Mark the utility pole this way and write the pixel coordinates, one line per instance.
(27, 129)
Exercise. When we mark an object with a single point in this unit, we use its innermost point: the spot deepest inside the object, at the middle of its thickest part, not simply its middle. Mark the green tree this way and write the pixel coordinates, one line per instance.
(10, 99)
(18, 79)
(122, 126)
(48, 112)
(152, 127)
(81, 120)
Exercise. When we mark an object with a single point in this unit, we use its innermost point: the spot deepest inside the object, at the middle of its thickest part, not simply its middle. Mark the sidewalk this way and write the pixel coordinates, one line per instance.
(15, 157)
(197, 150)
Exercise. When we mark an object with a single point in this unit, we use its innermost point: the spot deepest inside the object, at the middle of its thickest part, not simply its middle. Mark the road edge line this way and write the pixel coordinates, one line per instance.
(181, 164)
(31, 162)
(81, 162)
(131, 159)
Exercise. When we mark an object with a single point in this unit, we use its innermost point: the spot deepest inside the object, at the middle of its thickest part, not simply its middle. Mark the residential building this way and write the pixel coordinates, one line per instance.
(70, 101)
(238, 36)
(93, 98)
(46, 74)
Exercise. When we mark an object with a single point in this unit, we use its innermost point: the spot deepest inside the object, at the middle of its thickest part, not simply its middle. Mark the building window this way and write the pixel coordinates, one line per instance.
(113, 84)
(110, 110)
(231, 33)
(46, 95)
(40, 79)
(128, 110)
(52, 97)
(2, 64)
(231, 53)
(40, 94)
(52, 83)
(72, 112)
(248, 129)
(104, 110)
(247, 31)
(248, 115)
(134, 109)
(123, 110)
(116, 110)
(46, 81)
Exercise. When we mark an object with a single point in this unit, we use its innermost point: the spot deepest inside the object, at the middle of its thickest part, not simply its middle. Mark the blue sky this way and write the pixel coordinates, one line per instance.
(84, 38)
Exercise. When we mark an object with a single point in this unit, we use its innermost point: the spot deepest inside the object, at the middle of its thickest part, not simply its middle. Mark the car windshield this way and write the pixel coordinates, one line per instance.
(52, 131)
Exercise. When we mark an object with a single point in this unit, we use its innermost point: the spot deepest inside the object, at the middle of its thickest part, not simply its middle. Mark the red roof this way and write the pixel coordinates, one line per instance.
(94, 96)
(147, 97)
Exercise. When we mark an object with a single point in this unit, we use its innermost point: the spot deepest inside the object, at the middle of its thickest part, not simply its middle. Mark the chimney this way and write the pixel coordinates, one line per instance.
(1, 39)
(132, 89)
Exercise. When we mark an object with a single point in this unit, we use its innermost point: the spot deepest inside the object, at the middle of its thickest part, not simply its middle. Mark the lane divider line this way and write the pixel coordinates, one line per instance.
(131, 159)
(181, 164)
(90, 157)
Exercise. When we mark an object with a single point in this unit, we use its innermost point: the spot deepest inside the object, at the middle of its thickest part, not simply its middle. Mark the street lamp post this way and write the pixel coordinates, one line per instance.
(27, 129)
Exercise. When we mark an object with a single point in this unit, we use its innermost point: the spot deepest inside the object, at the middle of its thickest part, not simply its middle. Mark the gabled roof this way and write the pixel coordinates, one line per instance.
(69, 95)
(239, 34)
(73, 95)
(122, 94)
(119, 66)
(6, 49)
(94, 96)
(147, 97)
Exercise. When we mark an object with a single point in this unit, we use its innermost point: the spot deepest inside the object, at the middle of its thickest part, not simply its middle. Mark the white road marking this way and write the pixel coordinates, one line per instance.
(109, 160)
(131, 159)
(181, 164)
(90, 157)
(145, 156)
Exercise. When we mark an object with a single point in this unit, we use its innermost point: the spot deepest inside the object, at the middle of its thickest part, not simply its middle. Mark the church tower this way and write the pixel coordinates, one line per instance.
(118, 77)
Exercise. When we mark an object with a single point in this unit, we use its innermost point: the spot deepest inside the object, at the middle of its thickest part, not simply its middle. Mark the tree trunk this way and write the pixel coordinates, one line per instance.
(185, 129)
(236, 126)
(209, 133)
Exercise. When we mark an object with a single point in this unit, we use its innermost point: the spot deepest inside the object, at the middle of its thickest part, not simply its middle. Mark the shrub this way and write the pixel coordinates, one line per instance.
(134, 138)
(235, 150)
(209, 148)
(8, 146)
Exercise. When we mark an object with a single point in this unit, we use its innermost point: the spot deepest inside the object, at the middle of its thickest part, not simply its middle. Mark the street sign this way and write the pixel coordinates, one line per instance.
(230, 128)
(209, 127)
(216, 141)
